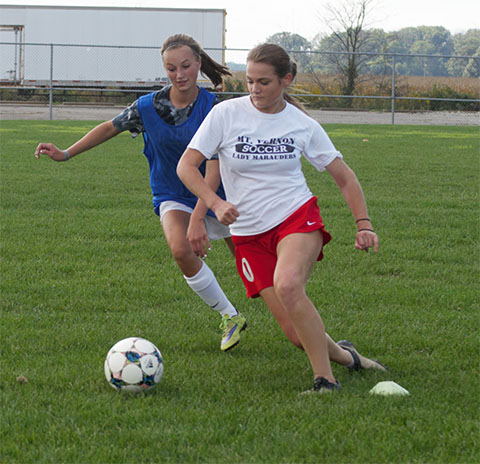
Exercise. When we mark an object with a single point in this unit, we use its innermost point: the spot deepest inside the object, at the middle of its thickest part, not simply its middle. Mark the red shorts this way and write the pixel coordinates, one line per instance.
(256, 255)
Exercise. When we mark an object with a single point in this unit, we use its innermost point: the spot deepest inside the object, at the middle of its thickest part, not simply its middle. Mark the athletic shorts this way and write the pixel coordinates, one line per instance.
(256, 255)
(215, 229)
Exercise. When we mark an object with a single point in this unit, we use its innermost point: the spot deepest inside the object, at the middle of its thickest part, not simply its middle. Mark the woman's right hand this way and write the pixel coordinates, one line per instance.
(226, 212)
(51, 150)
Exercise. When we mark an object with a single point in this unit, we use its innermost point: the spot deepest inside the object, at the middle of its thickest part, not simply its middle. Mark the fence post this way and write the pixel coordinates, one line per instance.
(393, 89)
(50, 99)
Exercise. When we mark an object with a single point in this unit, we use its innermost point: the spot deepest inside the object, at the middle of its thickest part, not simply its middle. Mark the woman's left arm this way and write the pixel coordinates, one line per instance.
(352, 191)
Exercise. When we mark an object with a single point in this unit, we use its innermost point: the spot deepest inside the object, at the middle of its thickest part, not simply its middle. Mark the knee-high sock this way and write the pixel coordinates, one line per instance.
(205, 285)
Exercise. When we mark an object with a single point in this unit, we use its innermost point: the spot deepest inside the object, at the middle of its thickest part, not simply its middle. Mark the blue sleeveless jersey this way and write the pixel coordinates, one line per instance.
(165, 144)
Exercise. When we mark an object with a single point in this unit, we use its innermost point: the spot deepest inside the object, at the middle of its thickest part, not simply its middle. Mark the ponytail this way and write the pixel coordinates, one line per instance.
(209, 68)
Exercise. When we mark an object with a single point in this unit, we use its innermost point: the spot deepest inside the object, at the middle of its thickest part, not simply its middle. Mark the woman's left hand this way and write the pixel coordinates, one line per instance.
(366, 239)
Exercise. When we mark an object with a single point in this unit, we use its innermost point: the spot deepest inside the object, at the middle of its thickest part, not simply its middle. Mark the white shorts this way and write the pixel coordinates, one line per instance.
(215, 229)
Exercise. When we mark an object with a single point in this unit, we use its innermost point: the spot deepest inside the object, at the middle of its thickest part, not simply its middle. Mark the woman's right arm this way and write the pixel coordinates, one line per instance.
(197, 233)
(103, 132)
(189, 174)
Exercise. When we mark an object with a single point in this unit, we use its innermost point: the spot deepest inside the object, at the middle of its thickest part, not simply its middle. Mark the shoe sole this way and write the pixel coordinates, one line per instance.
(322, 391)
(348, 346)
(237, 342)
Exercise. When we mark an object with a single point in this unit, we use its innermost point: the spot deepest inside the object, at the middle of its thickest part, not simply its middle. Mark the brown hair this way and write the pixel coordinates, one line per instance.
(210, 68)
(277, 57)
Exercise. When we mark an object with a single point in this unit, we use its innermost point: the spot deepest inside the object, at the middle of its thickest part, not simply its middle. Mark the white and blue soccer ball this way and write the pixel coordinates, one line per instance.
(134, 365)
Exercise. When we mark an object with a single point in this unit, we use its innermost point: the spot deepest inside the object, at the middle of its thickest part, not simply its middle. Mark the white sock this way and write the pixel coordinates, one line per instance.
(205, 285)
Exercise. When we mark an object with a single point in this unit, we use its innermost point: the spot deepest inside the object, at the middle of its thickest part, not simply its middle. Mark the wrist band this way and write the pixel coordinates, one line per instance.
(362, 219)
(67, 156)
(368, 230)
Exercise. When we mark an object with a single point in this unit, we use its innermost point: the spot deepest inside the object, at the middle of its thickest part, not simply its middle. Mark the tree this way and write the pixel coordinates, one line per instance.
(293, 43)
(467, 44)
(418, 66)
(441, 44)
(347, 23)
(402, 40)
(379, 63)
(473, 67)
(423, 40)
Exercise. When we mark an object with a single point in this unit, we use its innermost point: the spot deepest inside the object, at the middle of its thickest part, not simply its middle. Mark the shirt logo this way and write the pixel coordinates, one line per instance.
(263, 148)
(311, 223)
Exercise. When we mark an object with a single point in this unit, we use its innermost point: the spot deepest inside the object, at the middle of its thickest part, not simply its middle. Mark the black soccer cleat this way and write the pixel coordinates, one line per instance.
(359, 361)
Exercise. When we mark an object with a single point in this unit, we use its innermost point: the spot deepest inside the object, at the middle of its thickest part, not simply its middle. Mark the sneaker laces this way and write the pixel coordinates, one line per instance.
(226, 323)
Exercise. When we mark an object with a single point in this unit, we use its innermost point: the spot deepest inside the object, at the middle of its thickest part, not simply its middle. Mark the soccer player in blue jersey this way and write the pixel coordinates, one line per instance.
(168, 119)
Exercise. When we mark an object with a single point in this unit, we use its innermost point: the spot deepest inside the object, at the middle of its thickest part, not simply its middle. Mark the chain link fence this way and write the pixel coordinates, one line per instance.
(64, 74)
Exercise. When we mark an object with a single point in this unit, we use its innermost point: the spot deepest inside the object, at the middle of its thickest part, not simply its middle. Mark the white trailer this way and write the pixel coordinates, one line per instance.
(98, 46)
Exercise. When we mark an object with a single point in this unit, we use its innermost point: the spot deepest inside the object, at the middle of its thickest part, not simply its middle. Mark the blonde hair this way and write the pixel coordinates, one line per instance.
(277, 57)
(210, 68)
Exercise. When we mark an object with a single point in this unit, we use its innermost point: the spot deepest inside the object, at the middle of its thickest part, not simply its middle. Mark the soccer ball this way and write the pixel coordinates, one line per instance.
(134, 365)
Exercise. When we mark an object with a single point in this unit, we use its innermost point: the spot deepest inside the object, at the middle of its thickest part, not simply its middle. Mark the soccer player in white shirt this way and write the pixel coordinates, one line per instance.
(273, 217)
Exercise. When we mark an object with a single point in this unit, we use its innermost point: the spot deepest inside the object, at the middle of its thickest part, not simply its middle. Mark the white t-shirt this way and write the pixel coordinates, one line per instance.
(260, 159)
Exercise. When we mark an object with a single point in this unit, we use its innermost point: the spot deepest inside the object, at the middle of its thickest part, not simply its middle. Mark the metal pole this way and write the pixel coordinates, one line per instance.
(51, 83)
(393, 89)
(15, 64)
(21, 57)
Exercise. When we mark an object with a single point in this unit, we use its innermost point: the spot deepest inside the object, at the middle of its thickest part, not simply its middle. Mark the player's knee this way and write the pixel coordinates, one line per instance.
(289, 289)
(181, 253)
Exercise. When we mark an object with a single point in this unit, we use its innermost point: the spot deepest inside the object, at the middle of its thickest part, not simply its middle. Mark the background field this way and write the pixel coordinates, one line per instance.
(84, 264)
(424, 87)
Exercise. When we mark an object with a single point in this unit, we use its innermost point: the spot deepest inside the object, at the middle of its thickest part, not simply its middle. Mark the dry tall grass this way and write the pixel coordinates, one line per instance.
(428, 87)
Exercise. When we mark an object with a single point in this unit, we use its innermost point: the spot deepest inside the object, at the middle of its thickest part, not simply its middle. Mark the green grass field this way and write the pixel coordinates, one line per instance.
(84, 264)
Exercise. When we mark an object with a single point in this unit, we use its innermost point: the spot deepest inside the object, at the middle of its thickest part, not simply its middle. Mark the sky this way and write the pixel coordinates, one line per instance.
(250, 22)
